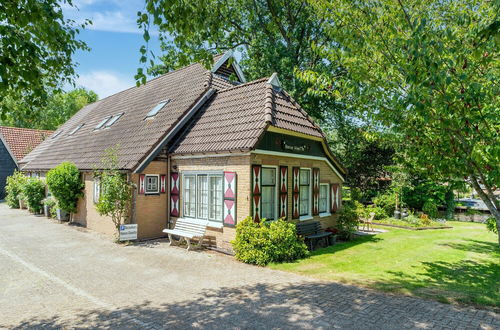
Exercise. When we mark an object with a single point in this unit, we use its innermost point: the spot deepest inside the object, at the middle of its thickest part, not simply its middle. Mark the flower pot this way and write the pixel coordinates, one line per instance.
(62, 215)
(22, 204)
(46, 211)
(332, 239)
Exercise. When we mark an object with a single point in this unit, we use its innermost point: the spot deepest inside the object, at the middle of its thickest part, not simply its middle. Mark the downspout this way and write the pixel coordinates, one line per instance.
(168, 190)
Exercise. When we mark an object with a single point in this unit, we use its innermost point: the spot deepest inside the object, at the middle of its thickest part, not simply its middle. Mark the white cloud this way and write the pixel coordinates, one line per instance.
(104, 83)
(112, 16)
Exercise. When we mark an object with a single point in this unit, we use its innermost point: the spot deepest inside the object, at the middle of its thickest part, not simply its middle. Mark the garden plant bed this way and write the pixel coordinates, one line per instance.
(410, 227)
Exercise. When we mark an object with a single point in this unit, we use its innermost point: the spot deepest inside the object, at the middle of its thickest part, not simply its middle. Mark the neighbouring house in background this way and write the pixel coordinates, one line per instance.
(202, 144)
(15, 143)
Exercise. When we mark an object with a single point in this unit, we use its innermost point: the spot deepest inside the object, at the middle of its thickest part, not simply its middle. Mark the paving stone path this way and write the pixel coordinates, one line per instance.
(57, 276)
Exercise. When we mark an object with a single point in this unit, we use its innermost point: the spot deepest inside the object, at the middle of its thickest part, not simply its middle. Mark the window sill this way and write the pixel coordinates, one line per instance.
(305, 217)
(215, 224)
(326, 214)
(152, 194)
(211, 224)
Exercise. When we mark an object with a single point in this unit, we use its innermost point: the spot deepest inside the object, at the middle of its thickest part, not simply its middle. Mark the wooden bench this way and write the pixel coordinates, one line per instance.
(312, 232)
(187, 229)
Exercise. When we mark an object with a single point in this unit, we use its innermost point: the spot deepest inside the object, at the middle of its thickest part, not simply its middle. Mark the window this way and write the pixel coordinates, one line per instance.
(113, 120)
(268, 184)
(157, 108)
(101, 124)
(305, 192)
(76, 129)
(97, 189)
(152, 184)
(190, 196)
(323, 198)
(202, 196)
(57, 134)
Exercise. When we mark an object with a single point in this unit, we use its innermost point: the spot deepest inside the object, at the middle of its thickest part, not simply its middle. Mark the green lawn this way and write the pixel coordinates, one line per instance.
(449, 265)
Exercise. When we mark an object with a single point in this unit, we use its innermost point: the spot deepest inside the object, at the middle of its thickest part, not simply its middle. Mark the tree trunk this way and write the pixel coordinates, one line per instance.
(489, 203)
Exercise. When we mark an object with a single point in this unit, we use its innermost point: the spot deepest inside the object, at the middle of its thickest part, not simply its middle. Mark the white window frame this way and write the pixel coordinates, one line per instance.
(217, 223)
(157, 176)
(97, 189)
(157, 108)
(276, 191)
(327, 213)
(309, 215)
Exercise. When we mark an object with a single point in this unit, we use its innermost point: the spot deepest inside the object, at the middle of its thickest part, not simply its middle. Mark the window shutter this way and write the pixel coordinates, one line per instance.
(295, 192)
(174, 193)
(230, 189)
(162, 183)
(283, 192)
(315, 191)
(141, 183)
(256, 192)
(334, 197)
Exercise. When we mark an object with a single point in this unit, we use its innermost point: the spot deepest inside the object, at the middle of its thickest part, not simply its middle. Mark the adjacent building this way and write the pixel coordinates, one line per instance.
(15, 143)
(203, 144)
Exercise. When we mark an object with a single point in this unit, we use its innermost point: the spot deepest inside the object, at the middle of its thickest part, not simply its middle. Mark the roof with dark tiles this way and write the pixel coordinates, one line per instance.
(233, 119)
(21, 141)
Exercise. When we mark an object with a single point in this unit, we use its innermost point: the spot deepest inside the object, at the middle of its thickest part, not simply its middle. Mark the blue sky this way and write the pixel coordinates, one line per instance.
(114, 40)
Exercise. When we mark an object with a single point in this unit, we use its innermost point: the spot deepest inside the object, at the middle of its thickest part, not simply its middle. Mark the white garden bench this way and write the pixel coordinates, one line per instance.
(187, 229)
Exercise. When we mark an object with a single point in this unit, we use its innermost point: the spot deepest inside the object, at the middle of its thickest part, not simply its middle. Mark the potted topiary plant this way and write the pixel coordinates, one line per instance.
(13, 188)
(34, 192)
(66, 186)
(48, 204)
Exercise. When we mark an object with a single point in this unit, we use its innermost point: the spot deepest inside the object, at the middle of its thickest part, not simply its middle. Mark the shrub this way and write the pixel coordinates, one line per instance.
(348, 220)
(387, 202)
(34, 192)
(491, 225)
(379, 212)
(13, 188)
(431, 208)
(264, 242)
(65, 184)
(425, 220)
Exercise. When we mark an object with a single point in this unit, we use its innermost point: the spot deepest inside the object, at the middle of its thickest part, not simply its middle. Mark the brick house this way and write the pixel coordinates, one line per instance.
(15, 143)
(200, 145)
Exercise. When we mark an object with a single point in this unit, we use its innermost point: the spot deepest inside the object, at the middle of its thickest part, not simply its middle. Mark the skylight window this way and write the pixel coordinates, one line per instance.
(101, 124)
(113, 120)
(76, 129)
(157, 108)
(57, 134)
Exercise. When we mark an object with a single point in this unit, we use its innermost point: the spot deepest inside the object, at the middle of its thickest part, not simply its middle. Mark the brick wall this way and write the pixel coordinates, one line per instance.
(327, 175)
(87, 214)
(151, 210)
(221, 237)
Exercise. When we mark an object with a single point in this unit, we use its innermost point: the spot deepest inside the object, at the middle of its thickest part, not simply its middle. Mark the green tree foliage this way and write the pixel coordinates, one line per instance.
(36, 46)
(116, 191)
(13, 188)
(428, 71)
(272, 36)
(34, 192)
(59, 107)
(263, 242)
(66, 185)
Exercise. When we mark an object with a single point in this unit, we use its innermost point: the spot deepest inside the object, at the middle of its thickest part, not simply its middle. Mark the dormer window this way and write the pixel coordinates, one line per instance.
(101, 124)
(157, 108)
(76, 129)
(113, 120)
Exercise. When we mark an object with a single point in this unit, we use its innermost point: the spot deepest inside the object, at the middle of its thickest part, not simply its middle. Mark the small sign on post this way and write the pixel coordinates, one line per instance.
(128, 232)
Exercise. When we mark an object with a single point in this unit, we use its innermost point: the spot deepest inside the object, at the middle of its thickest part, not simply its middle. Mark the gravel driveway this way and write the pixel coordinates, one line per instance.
(58, 276)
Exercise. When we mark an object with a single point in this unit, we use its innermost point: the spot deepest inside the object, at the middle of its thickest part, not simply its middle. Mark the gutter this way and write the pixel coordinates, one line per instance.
(208, 94)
